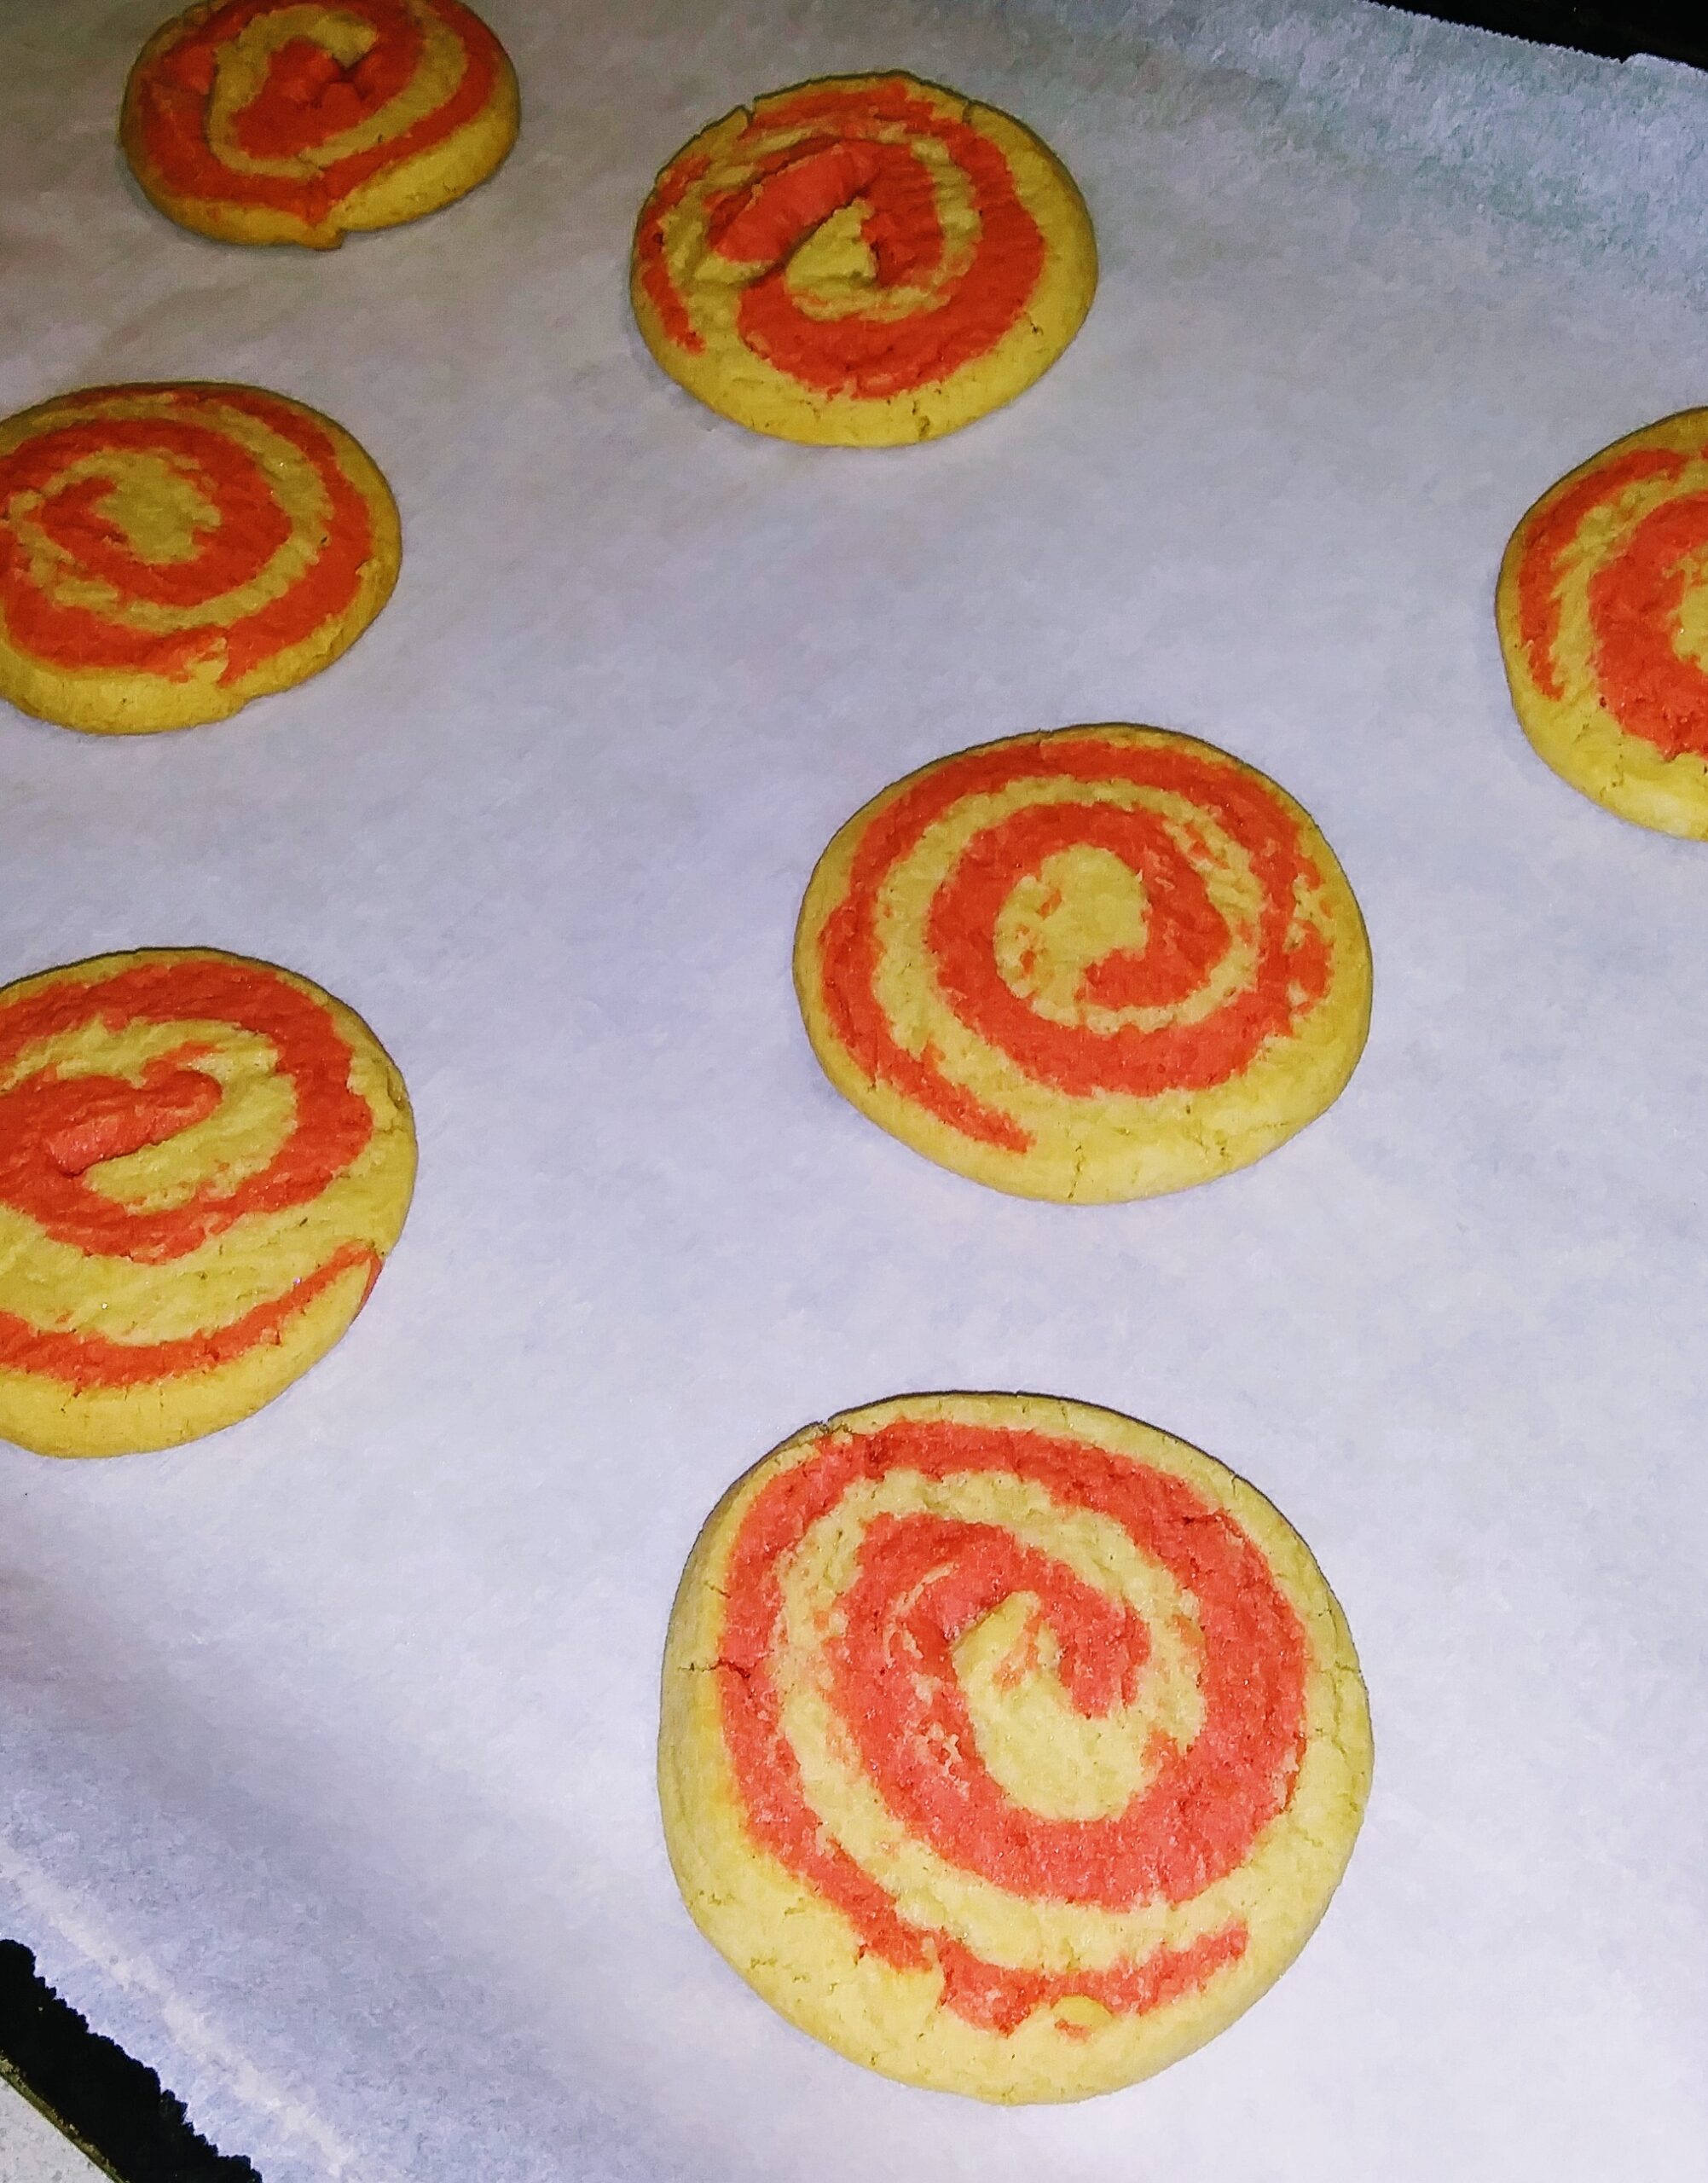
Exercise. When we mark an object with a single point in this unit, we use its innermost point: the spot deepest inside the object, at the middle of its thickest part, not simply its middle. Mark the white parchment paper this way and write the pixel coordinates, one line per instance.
(326, 1780)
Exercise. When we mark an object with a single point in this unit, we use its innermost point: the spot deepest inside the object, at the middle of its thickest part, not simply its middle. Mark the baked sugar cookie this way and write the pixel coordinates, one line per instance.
(204, 1162)
(169, 551)
(1008, 1746)
(1603, 615)
(1093, 965)
(861, 262)
(302, 120)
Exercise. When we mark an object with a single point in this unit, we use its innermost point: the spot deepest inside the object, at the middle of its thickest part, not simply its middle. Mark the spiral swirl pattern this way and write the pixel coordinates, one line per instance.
(864, 261)
(1603, 615)
(301, 120)
(169, 551)
(1009, 1745)
(1093, 964)
(204, 1161)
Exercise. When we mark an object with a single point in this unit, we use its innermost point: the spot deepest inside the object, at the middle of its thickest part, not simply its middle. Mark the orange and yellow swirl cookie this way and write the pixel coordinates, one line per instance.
(1094, 964)
(1008, 1746)
(204, 1162)
(170, 551)
(302, 120)
(1603, 615)
(862, 262)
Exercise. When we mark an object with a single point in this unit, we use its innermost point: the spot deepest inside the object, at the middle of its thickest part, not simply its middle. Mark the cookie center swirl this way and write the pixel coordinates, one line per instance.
(158, 507)
(235, 1101)
(1646, 607)
(82, 1122)
(293, 104)
(1108, 919)
(1089, 874)
(292, 80)
(1613, 596)
(963, 1667)
(1082, 906)
(944, 1616)
(175, 531)
(879, 244)
(131, 512)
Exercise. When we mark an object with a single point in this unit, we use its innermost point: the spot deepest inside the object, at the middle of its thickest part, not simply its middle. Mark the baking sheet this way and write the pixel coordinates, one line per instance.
(327, 1741)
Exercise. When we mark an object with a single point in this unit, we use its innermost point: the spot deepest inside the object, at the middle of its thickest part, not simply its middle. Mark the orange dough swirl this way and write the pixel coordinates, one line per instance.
(1086, 965)
(300, 120)
(864, 261)
(1603, 615)
(204, 1161)
(1010, 1745)
(170, 551)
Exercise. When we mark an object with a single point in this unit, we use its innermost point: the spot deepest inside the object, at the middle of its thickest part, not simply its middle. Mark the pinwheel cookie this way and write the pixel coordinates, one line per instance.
(301, 120)
(1603, 615)
(1008, 1746)
(204, 1162)
(861, 262)
(169, 551)
(1093, 965)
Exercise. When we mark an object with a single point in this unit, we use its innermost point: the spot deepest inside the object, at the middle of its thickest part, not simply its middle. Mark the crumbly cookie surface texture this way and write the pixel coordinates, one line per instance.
(1008, 1747)
(268, 121)
(1602, 609)
(204, 1163)
(863, 262)
(169, 551)
(1093, 965)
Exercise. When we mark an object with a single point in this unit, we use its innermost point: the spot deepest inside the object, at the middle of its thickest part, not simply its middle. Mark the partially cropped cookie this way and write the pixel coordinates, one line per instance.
(303, 120)
(1603, 615)
(1094, 964)
(862, 262)
(170, 551)
(1008, 1747)
(204, 1163)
